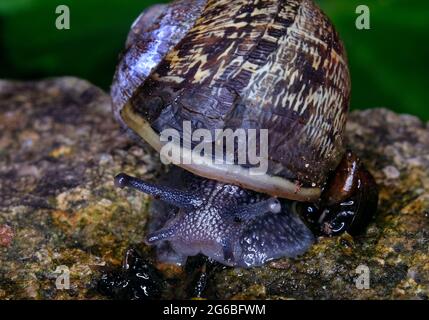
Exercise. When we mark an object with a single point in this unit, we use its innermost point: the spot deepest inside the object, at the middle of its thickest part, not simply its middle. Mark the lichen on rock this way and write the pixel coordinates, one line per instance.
(60, 149)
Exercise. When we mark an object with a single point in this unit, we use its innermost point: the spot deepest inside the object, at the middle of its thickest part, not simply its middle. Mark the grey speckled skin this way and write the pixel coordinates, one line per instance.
(229, 224)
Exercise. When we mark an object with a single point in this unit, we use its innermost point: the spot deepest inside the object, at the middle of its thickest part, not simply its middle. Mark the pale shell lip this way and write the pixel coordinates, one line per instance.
(233, 174)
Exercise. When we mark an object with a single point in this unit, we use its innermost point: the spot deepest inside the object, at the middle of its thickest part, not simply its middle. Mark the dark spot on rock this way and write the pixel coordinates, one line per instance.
(346, 243)
(200, 270)
(391, 275)
(137, 279)
(35, 202)
(423, 296)
(399, 247)
(8, 175)
(59, 179)
(89, 95)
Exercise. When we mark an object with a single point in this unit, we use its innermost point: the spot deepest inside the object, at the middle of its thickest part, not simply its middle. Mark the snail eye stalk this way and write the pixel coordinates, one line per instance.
(251, 211)
(172, 196)
(160, 235)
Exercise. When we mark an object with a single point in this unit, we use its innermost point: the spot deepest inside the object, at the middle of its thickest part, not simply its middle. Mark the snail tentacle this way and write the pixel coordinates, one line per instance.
(172, 196)
(159, 235)
(253, 210)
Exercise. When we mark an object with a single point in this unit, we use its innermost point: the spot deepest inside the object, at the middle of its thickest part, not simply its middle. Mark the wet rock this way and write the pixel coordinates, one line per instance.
(59, 151)
(60, 214)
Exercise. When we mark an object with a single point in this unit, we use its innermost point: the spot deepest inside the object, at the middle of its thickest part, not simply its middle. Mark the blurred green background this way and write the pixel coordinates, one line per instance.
(389, 63)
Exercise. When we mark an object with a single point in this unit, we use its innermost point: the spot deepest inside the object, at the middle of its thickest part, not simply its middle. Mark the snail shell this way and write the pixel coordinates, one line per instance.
(260, 64)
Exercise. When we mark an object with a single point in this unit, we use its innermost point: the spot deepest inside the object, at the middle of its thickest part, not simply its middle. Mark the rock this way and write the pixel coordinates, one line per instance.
(61, 214)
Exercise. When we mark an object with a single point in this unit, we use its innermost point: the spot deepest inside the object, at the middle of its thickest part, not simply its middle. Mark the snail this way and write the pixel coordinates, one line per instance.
(277, 65)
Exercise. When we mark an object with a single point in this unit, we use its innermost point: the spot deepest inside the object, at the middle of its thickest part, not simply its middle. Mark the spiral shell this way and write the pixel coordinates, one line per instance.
(260, 64)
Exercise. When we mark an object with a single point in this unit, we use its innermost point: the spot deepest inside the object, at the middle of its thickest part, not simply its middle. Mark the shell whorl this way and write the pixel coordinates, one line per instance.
(262, 64)
(153, 34)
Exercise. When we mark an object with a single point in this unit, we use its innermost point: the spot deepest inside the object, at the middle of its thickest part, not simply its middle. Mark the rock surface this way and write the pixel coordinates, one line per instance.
(60, 149)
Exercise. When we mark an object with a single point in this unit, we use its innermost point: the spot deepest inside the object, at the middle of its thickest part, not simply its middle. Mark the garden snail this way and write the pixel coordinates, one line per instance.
(277, 65)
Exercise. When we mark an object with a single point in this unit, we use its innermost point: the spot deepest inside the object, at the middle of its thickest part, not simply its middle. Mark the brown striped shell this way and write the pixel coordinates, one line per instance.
(261, 64)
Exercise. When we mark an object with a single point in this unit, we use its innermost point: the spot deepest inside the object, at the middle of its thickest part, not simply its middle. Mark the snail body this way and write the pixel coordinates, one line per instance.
(244, 64)
(231, 225)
